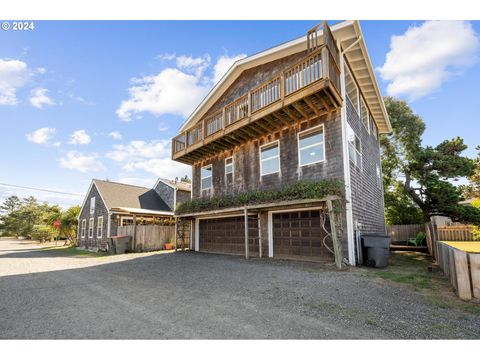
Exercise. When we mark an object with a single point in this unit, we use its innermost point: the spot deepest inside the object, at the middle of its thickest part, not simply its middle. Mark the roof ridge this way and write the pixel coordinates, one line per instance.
(119, 183)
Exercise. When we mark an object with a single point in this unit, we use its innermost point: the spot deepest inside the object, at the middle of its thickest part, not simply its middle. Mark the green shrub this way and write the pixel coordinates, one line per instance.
(296, 191)
(43, 232)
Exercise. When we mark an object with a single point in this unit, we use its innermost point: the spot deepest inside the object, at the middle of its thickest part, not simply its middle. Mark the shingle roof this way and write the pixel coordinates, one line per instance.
(179, 185)
(118, 195)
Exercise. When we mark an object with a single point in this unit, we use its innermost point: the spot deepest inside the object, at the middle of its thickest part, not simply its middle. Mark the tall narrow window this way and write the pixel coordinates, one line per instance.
(365, 116)
(379, 177)
(92, 205)
(375, 129)
(90, 228)
(206, 177)
(354, 148)
(83, 228)
(229, 165)
(311, 146)
(269, 159)
(351, 89)
(100, 227)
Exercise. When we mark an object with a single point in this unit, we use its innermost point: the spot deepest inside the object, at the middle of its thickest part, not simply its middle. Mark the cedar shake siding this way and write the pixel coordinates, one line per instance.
(166, 193)
(100, 210)
(183, 196)
(246, 161)
(367, 188)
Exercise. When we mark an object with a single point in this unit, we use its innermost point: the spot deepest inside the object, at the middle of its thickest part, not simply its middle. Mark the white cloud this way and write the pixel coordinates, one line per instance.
(115, 135)
(84, 163)
(80, 137)
(195, 65)
(171, 91)
(41, 136)
(166, 57)
(176, 91)
(165, 168)
(13, 75)
(223, 64)
(426, 56)
(39, 98)
(41, 70)
(137, 150)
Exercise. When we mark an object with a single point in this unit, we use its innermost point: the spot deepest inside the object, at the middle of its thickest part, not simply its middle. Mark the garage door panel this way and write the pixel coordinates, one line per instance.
(227, 235)
(299, 234)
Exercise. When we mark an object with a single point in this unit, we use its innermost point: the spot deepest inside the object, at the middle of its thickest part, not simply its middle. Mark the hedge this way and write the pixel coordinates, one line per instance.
(296, 191)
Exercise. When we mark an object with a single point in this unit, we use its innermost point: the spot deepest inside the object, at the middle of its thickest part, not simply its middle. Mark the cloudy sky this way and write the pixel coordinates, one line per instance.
(83, 100)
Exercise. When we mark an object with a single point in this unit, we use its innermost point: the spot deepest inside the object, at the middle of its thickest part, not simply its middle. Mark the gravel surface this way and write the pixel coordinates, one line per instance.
(49, 294)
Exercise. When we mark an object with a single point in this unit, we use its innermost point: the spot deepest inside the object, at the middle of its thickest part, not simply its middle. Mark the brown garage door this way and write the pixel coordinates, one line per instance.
(299, 234)
(227, 236)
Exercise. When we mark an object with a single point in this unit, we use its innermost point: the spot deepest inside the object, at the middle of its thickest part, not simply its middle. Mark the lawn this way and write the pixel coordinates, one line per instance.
(412, 270)
(73, 251)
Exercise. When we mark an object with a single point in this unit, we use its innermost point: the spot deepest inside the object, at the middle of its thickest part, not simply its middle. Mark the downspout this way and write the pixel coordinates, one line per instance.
(346, 162)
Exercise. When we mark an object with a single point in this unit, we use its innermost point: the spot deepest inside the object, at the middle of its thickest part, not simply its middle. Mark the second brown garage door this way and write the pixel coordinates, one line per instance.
(299, 234)
(227, 235)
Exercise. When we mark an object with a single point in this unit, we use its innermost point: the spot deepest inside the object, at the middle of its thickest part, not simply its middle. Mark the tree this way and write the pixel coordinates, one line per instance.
(68, 222)
(10, 220)
(424, 172)
(472, 190)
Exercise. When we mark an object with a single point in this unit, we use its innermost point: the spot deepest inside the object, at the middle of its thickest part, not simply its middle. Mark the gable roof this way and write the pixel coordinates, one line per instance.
(179, 185)
(347, 33)
(117, 195)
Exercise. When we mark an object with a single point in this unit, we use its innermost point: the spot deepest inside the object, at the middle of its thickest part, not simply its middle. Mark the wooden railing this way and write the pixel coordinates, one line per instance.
(194, 135)
(236, 110)
(317, 65)
(214, 123)
(266, 94)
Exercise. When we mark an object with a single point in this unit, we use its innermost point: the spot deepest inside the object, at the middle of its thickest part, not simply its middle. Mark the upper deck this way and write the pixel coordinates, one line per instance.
(307, 89)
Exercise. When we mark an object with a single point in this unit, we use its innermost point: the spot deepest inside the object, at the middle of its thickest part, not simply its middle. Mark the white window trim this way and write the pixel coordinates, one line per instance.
(92, 202)
(360, 167)
(367, 127)
(359, 105)
(91, 227)
(99, 228)
(233, 166)
(272, 157)
(313, 129)
(83, 228)
(201, 178)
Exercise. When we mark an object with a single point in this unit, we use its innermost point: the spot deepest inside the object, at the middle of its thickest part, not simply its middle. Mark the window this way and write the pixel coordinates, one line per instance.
(379, 177)
(351, 89)
(125, 221)
(229, 165)
(374, 129)
(100, 227)
(92, 205)
(365, 116)
(206, 175)
(269, 159)
(354, 148)
(311, 148)
(83, 228)
(90, 228)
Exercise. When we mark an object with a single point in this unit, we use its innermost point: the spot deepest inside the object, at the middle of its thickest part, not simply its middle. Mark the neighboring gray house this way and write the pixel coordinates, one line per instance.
(109, 205)
(173, 192)
(308, 109)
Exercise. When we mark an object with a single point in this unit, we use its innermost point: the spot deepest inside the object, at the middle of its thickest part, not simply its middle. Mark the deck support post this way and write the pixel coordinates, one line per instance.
(176, 233)
(134, 236)
(245, 212)
(333, 233)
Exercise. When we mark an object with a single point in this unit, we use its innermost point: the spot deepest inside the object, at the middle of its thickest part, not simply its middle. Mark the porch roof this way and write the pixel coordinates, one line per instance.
(265, 206)
(138, 211)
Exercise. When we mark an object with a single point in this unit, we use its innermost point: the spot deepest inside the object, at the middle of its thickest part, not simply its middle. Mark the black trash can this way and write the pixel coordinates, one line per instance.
(375, 250)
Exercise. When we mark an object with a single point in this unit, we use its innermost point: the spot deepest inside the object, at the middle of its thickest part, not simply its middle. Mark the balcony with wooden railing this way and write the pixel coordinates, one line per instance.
(308, 89)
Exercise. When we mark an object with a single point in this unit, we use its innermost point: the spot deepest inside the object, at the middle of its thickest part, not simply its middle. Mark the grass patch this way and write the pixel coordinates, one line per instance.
(72, 251)
(411, 269)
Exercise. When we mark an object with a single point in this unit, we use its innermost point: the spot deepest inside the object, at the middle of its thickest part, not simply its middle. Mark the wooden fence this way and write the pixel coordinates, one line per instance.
(454, 233)
(401, 233)
(462, 269)
(148, 237)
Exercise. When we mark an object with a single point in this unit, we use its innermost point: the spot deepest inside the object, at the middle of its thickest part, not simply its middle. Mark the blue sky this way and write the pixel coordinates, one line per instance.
(83, 100)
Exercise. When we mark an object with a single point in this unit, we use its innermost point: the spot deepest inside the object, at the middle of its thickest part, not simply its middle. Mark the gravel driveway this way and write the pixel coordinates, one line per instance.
(51, 294)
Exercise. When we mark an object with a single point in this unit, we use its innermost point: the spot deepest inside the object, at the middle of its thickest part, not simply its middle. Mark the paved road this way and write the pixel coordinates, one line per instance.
(48, 294)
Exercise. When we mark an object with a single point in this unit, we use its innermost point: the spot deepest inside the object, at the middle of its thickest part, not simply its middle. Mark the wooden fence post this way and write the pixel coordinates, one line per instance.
(462, 274)
(246, 232)
(333, 233)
